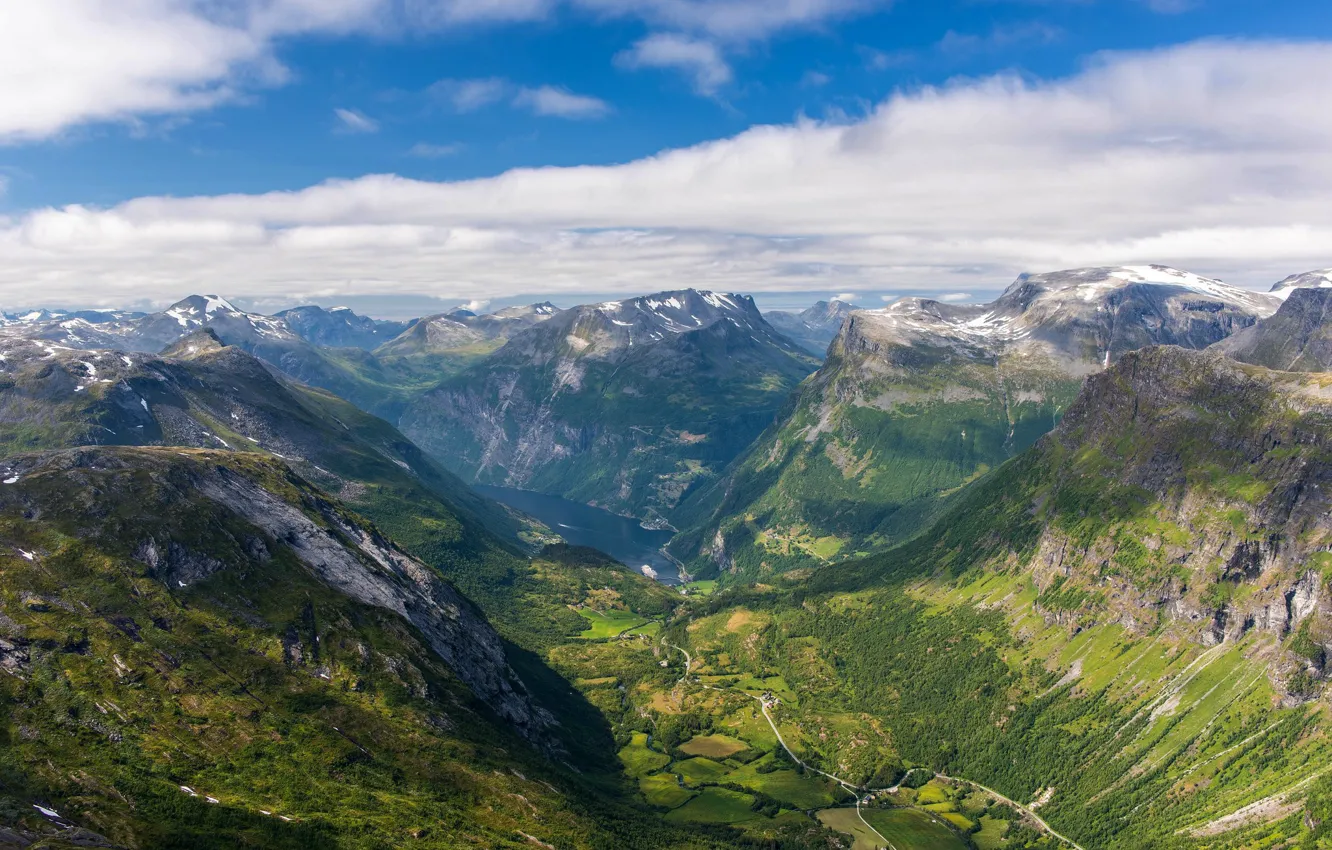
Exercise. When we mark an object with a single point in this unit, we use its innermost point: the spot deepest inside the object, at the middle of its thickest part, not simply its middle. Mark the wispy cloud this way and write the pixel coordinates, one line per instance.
(562, 103)
(881, 60)
(954, 296)
(699, 60)
(846, 297)
(470, 95)
(556, 101)
(815, 79)
(425, 150)
(355, 121)
(1000, 37)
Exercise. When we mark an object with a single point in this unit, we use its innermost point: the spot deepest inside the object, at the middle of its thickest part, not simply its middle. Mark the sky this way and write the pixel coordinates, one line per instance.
(392, 154)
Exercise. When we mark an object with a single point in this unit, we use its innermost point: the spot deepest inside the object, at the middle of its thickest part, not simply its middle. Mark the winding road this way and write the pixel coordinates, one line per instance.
(855, 790)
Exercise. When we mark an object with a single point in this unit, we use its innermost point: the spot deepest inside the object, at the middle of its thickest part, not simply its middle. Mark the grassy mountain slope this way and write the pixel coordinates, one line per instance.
(202, 650)
(1128, 625)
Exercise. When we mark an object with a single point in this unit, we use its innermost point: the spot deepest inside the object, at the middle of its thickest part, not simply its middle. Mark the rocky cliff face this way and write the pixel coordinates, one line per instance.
(919, 398)
(623, 404)
(1183, 491)
(1297, 338)
(87, 487)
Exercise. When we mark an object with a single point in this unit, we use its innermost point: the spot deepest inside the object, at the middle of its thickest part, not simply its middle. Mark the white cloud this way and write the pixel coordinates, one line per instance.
(425, 150)
(700, 60)
(954, 296)
(476, 305)
(1000, 37)
(881, 60)
(470, 95)
(733, 20)
(815, 79)
(847, 297)
(355, 121)
(1215, 156)
(562, 103)
(64, 63)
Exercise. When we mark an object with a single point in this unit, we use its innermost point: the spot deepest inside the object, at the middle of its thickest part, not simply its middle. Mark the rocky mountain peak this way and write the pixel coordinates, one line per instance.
(195, 344)
(1080, 318)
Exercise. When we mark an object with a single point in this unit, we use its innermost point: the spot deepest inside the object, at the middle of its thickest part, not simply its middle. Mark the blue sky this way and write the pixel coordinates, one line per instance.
(276, 96)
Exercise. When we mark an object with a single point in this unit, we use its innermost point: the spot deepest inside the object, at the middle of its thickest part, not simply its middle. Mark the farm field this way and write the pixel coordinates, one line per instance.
(714, 746)
(846, 822)
(912, 829)
(663, 789)
(609, 624)
(639, 759)
(716, 805)
(700, 771)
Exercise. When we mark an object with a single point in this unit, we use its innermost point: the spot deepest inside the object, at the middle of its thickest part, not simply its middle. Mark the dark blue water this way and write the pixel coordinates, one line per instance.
(623, 539)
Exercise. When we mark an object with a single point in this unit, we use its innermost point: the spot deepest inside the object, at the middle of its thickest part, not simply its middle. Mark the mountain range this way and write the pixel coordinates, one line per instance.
(625, 405)
(1051, 571)
(919, 398)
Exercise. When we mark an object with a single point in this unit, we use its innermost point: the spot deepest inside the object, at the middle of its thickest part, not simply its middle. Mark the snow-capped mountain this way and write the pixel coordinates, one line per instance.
(1082, 318)
(1320, 279)
(603, 330)
(153, 331)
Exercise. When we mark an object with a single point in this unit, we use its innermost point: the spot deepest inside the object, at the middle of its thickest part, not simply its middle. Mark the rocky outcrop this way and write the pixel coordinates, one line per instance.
(282, 512)
(1297, 338)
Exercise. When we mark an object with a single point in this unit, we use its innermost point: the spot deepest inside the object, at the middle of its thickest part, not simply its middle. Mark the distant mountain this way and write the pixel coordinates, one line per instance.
(459, 329)
(815, 327)
(624, 404)
(350, 373)
(432, 335)
(339, 327)
(202, 394)
(435, 347)
(1297, 338)
(1321, 279)
(920, 397)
